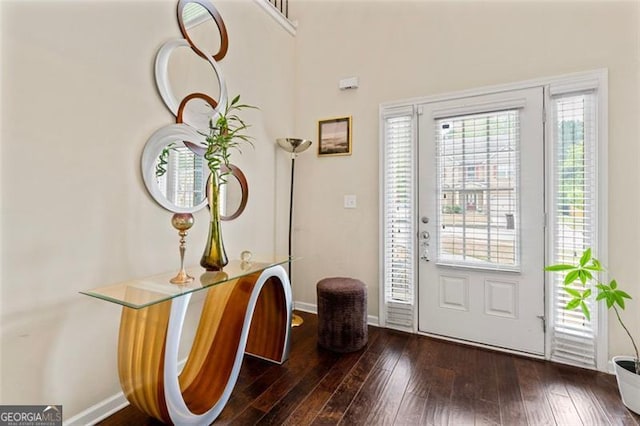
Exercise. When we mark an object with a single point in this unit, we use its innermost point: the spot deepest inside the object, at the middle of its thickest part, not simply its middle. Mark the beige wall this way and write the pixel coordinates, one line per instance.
(78, 104)
(405, 49)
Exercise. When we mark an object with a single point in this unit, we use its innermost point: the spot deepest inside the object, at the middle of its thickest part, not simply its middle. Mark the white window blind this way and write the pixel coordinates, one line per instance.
(194, 14)
(573, 219)
(398, 215)
(183, 182)
(478, 179)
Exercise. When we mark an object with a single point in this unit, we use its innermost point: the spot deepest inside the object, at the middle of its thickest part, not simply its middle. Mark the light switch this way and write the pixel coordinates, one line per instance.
(350, 202)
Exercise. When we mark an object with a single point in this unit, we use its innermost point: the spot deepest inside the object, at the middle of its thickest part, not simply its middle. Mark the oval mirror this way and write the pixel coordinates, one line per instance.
(174, 176)
(203, 27)
(234, 194)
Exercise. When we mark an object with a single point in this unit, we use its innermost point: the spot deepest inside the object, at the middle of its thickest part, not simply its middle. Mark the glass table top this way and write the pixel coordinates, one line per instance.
(139, 293)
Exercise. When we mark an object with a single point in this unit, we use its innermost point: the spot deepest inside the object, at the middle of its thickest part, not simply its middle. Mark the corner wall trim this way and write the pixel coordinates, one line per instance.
(290, 26)
(313, 309)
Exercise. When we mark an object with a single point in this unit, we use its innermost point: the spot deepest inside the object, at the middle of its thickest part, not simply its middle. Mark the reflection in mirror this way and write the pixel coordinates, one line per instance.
(181, 175)
(203, 27)
(234, 194)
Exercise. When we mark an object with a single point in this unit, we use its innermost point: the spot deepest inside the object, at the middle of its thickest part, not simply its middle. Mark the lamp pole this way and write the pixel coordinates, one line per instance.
(293, 146)
(293, 167)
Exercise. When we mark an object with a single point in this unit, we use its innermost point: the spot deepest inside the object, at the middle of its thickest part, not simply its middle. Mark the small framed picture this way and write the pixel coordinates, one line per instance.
(334, 136)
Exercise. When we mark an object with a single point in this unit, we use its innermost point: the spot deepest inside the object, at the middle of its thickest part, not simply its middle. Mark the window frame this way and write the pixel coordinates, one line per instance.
(596, 82)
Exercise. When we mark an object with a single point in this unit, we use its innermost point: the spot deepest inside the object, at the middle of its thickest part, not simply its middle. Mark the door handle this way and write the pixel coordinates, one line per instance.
(424, 236)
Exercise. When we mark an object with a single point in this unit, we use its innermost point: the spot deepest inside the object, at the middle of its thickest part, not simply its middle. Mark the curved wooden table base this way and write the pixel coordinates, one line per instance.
(251, 314)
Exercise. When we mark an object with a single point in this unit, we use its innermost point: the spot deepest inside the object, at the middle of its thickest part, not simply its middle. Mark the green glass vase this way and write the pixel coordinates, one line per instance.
(214, 257)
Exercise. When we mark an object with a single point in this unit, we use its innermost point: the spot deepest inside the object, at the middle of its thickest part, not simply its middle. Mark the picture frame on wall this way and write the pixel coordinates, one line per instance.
(334, 136)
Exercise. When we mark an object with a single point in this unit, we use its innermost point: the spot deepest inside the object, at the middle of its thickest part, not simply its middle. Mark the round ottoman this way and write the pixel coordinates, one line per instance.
(342, 314)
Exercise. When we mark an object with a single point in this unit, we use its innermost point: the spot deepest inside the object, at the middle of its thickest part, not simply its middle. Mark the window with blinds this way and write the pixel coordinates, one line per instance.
(398, 217)
(478, 177)
(183, 183)
(573, 220)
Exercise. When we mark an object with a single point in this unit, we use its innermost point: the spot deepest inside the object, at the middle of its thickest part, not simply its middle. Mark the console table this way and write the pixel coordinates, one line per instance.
(247, 309)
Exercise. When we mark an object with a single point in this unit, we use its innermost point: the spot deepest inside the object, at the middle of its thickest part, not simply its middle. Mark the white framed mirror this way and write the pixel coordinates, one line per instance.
(175, 176)
(198, 114)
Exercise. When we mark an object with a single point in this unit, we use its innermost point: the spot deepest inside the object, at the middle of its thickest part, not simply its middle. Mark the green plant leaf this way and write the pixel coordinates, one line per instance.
(610, 302)
(572, 304)
(623, 294)
(586, 294)
(583, 276)
(572, 292)
(585, 310)
(601, 296)
(560, 267)
(595, 266)
(571, 276)
(613, 284)
(586, 256)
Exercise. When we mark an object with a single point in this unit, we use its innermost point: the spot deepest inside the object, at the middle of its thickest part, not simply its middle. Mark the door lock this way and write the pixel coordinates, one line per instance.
(424, 236)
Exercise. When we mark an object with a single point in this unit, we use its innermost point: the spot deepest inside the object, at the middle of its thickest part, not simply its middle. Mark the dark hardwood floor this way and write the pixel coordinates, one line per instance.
(404, 379)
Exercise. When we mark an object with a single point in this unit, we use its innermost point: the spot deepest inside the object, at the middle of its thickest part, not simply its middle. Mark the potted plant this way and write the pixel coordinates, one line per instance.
(580, 282)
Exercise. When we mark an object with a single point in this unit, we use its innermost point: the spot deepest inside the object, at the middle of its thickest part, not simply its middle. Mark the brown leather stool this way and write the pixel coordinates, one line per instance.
(342, 314)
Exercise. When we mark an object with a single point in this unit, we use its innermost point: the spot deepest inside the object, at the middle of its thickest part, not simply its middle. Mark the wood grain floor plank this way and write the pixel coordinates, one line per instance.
(389, 401)
(605, 389)
(309, 379)
(418, 383)
(437, 408)
(589, 408)
(465, 387)
(487, 403)
(366, 399)
(313, 404)
(375, 402)
(511, 404)
(562, 406)
(411, 410)
(339, 402)
(536, 405)
(307, 411)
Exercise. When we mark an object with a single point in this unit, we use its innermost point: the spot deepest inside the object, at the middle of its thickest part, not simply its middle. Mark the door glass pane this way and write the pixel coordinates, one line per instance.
(477, 176)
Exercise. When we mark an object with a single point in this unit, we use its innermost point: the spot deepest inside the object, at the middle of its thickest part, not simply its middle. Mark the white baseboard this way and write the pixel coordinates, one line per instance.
(313, 309)
(98, 412)
(305, 307)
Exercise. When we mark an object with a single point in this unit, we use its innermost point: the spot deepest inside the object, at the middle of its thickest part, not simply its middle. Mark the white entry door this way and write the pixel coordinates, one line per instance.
(481, 219)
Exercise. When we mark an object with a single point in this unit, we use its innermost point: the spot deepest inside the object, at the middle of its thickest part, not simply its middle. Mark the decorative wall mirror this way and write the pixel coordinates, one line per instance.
(233, 194)
(193, 13)
(176, 175)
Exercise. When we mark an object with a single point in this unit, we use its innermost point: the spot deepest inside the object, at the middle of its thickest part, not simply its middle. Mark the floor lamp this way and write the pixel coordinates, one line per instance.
(295, 147)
